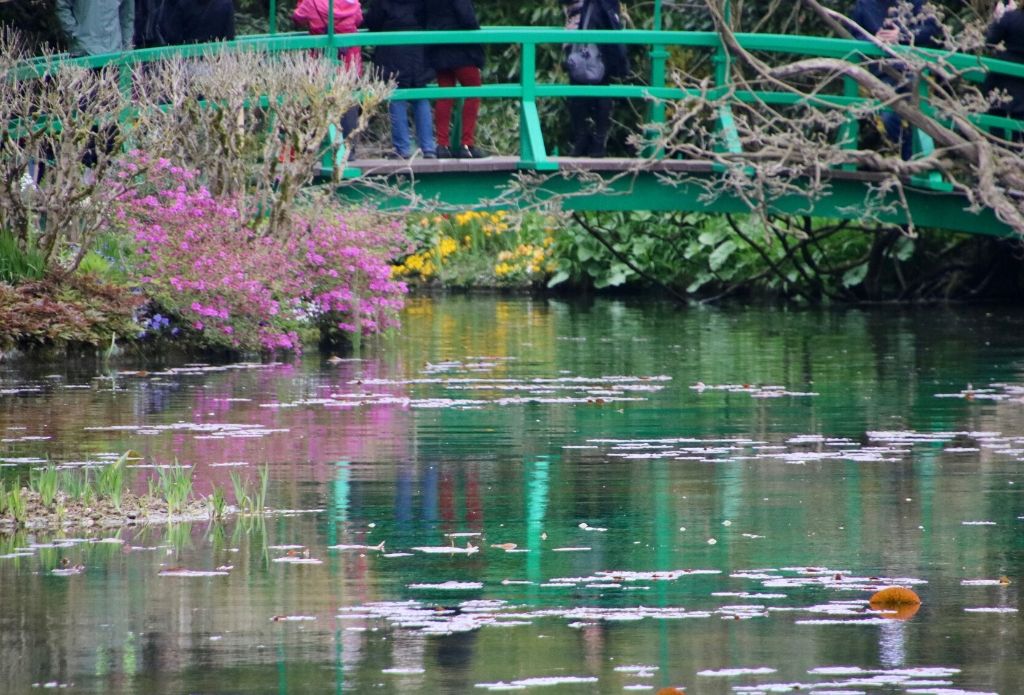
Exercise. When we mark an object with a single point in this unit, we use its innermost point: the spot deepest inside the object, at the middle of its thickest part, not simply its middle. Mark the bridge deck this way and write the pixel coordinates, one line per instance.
(372, 166)
(419, 165)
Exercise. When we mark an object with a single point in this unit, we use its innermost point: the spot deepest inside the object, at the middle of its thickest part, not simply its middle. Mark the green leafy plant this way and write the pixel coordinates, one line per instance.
(242, 499)
(3, 498)
(111, 479)
(17, 507)
(175, 487)
(17, 264)
(261, 496)
(43, 481)
(76, 485)
(218, 502)
(252, 501)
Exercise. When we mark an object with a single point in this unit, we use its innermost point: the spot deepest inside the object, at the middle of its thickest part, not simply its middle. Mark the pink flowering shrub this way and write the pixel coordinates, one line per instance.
(198, 258)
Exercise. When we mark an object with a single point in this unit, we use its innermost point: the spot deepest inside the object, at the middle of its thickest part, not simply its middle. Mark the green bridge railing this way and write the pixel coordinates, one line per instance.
(533, 153)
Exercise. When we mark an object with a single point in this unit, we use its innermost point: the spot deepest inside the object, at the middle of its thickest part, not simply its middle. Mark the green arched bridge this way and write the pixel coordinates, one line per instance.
(626, 184)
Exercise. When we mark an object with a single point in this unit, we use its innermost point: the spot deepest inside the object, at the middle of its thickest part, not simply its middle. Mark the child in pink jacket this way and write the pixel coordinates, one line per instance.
(348, 15)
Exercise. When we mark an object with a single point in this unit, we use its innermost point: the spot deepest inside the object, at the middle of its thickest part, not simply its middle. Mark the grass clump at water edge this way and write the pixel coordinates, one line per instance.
(175, 485)
(251, 500)
(44, 482)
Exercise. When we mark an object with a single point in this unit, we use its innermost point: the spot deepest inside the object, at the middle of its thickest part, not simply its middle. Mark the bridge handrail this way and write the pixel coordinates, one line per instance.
(528, 89)
(821, 46)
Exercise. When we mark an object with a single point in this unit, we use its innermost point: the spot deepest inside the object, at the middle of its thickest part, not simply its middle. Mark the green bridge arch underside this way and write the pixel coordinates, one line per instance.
(612, 185)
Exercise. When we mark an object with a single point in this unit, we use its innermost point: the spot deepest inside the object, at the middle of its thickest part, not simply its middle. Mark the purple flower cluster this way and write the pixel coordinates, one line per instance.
(199, 259)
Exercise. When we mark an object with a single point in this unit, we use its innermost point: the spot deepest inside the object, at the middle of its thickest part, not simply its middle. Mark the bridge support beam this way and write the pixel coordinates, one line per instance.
(847, 198)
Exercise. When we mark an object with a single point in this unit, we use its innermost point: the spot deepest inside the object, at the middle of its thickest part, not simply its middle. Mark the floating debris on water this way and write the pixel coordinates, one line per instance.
(450, 586)
(733, 672)
(298, 560)
(448, 549)
(183, 572)
(342, 546)
(754, 390)
(537, 682)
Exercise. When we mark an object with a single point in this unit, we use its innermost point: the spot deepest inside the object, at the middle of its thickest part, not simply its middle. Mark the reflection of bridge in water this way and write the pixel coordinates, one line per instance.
(655, 182)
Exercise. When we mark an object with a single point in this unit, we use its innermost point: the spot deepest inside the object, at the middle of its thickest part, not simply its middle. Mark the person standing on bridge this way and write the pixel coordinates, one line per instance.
(455, 63)
(407, 65)
(1006, 35)
(348, 15)
(591, 117)
(97, 26)
(197, 21)
(882, 20)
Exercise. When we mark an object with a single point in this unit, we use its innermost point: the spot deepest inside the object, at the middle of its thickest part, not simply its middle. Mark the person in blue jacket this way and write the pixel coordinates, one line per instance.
(97, 26)
(881, 19)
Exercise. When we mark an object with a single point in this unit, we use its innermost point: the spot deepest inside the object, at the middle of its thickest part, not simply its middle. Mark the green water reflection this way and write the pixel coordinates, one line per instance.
(445, 430)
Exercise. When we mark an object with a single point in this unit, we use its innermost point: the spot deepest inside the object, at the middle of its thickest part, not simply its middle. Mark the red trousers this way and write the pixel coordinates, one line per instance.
(468, 76)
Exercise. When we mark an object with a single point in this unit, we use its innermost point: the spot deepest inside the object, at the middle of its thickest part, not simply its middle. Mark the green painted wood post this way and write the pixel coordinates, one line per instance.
(532, 154)
(656, 110)
(659, 57)
(924, 145)
(723, 80)
(273, 16)
(330, 20)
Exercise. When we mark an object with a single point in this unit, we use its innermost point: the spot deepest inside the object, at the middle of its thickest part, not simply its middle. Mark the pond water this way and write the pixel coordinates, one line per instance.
(547, 496)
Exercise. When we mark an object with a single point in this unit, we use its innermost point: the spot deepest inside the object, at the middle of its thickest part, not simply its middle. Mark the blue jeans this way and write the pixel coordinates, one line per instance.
(421, 115)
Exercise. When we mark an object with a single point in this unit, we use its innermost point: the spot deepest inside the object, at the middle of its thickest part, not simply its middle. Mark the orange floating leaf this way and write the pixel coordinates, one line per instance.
(897, 602)
(894, 596)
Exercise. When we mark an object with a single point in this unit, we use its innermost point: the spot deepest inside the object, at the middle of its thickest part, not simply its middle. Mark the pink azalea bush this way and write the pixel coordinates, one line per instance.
(199, 258)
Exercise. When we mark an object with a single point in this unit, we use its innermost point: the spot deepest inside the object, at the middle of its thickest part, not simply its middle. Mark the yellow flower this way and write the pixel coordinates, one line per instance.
(414, 262)
(447, 246)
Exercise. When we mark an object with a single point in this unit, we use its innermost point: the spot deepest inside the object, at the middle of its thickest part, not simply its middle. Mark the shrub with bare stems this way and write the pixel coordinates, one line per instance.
(254, 124)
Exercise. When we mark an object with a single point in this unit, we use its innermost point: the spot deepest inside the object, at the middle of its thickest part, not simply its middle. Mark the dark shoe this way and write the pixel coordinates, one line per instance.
(430, 155)
(395, 155)
(443, 152)
(471, 152)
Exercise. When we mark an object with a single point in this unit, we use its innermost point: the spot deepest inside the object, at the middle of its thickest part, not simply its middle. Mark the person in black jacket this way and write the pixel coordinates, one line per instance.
(881, 20)
(197, 21)
(148, 30)
(591, 117)
(407, 65)
(455, 63)
(1006, 30)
